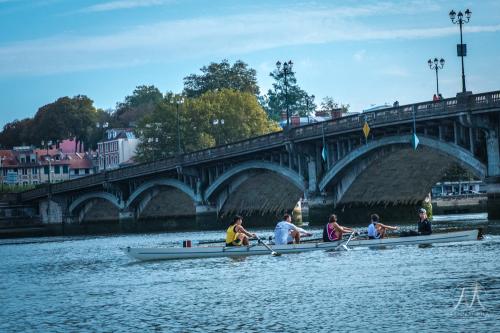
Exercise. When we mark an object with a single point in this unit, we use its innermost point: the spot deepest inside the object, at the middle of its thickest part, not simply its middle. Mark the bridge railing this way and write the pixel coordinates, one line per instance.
(338, 125)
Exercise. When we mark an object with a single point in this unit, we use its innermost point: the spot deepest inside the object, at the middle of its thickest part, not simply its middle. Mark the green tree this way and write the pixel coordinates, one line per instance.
(328, 104)
(65, 118)
(16, 133)
(225, 116)
(200, 123)
(142, 102)
(286, 94)
(158, 131)
(217, 76)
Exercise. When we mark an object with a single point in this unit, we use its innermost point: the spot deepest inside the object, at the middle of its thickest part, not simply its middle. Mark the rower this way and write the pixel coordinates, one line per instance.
(424, 225)
(236, 235)
(376, 230)
(287, 233)
(333, 231)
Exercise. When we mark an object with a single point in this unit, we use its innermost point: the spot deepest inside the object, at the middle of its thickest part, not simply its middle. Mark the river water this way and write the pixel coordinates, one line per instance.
(87, 284)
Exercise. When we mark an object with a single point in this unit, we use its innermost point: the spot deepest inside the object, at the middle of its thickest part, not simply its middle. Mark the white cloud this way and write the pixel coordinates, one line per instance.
(122, 4)
(197, 37)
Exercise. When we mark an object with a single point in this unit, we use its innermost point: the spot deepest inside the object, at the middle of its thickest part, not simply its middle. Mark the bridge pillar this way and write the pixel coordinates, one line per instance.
(493, 179)
(206, 216)
(127, 220)
(50, 212)
(313, 182)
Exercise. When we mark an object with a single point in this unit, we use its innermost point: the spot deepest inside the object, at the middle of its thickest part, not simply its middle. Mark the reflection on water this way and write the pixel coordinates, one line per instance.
(88, 284)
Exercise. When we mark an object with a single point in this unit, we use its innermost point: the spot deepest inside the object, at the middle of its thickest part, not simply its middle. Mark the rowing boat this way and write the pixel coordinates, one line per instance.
(259, 249)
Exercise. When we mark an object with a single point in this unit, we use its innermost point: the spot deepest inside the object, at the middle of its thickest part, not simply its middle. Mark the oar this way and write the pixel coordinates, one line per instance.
(274, 253)
(344, 246)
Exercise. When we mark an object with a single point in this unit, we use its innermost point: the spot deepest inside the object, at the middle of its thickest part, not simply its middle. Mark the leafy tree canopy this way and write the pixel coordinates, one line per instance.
(217, 76)
(216, 117)
(286, 93)
(142, 102)
(328, 104)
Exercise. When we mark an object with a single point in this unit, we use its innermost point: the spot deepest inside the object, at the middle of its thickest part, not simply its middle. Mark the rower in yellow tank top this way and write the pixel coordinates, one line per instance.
(236, 235)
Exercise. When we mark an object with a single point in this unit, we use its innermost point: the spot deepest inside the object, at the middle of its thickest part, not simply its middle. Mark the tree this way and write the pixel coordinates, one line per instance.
(243, 118)
(287, 94)
(329, 105)
(158, 131)
(218, 76)
(16, 133)
(142, 102)
(65, 118)
(200, 123)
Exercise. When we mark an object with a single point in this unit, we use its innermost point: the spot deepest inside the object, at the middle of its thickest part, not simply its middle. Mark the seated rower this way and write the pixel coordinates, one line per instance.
(288, 233)
(424, 225)
(333, 231)
(376, 229)
(236, 235)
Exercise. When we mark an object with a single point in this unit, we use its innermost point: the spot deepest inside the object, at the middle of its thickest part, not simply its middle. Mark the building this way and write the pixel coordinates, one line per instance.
(443, 189)
(117, 149)
(30, 166)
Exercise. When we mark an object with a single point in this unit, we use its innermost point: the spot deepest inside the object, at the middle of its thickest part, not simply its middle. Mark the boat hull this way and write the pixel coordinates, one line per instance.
(234, 251)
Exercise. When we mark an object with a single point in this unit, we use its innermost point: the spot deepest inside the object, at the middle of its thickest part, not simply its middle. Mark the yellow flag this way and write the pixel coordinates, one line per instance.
(366, 129)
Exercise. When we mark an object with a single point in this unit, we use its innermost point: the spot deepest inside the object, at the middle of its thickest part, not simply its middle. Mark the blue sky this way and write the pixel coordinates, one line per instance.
(358, 52)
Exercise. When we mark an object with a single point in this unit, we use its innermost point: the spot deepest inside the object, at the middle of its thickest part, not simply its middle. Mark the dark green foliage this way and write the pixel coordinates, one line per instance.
(141, 103)
(286, 92)
(218, 76)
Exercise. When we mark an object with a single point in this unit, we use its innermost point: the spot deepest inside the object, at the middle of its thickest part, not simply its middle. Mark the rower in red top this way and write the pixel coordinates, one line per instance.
(334, 231)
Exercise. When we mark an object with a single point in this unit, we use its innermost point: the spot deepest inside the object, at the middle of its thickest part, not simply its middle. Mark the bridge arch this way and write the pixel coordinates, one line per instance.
(161, 182)
(348, 170)
(96, 195)
(287, 173)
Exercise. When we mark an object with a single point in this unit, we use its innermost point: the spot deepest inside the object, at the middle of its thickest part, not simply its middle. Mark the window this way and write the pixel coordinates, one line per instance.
(57, 169)
(24, 171)
(45, 170)
(34, 171)
(65, 169)
(77, 172)
(87, 171)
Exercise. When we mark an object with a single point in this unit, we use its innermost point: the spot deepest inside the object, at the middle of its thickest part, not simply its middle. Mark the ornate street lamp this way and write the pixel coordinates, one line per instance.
(218, 123)
(177, 103)
(287, 68)
(436, 65)
(461, 48)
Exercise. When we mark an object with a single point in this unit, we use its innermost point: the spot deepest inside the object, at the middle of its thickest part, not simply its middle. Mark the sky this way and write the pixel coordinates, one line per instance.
(360, 53)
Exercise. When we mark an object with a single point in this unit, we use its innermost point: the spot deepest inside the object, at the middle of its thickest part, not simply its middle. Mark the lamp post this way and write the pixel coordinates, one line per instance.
(152, 141)
(218, 122)
(287, 68)
(436, 65)
(461, 48)
(178, 102)
(307, 105)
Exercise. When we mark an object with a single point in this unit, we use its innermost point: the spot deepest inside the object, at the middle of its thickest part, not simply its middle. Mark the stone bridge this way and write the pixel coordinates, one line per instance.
(270, 173)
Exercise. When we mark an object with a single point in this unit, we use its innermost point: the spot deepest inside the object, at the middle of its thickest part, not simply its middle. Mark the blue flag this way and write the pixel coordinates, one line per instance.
(414, 141)
(323, 153)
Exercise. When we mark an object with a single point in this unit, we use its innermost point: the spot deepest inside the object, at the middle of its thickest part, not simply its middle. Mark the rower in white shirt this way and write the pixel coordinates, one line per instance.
(286, 232)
